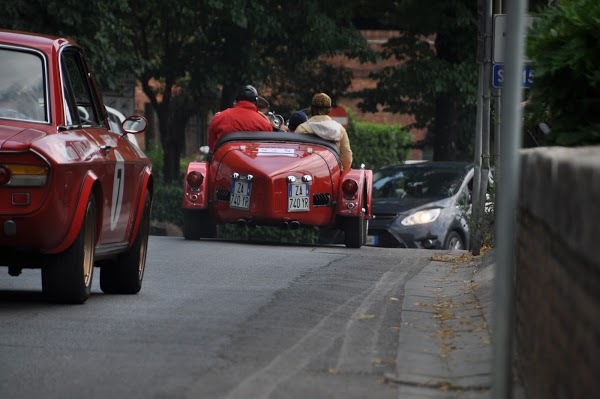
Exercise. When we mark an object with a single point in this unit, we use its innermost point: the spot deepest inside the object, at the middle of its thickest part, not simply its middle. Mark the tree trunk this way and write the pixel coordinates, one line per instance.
(445, 128)
(171, 147)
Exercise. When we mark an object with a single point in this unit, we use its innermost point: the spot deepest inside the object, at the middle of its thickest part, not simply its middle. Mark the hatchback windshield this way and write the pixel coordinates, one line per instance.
(22, 86)
(420, 181)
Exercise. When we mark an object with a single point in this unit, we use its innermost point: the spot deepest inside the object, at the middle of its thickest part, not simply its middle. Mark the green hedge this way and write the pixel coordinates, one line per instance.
(167, 203)
(377, 145)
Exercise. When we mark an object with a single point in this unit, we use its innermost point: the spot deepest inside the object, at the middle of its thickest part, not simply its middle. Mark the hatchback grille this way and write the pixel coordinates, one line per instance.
(321, 199)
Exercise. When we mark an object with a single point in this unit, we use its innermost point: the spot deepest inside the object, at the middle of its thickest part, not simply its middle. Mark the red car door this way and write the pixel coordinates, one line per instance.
(115, 161)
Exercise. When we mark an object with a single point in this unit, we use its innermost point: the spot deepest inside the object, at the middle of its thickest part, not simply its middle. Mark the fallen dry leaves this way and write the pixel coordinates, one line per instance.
(467, 257)
(366, 316)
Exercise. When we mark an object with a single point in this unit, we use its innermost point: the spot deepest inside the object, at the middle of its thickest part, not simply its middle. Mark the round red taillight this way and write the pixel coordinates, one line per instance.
(349, 187)
(194, 179)
(4, 175)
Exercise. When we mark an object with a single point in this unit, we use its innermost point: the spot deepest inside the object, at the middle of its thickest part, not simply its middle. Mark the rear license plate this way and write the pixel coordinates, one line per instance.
(240, 194)
(298, 197)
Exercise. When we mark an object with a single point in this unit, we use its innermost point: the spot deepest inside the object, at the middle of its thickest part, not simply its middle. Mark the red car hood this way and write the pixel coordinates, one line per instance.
(14, 138)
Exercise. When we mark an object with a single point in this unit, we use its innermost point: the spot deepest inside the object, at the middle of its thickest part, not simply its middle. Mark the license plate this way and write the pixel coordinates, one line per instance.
(240, 194)
(373, 240)
(298, 197)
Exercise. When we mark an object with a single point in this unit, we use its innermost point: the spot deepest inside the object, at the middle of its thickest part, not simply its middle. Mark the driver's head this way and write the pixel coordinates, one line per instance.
(247, 93)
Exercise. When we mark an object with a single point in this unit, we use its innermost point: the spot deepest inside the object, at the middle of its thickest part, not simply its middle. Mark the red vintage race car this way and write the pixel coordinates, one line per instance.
(73, 194)
(280, 179)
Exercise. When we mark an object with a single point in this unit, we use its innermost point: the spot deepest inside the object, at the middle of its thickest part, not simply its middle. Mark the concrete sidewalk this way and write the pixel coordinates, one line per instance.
(445, 340)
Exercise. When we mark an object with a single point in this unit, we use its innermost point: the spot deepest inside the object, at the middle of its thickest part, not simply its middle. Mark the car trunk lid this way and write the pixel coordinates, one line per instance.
(13, 138)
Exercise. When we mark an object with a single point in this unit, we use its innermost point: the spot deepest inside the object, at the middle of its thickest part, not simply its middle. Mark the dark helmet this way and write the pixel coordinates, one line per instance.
(247, 93)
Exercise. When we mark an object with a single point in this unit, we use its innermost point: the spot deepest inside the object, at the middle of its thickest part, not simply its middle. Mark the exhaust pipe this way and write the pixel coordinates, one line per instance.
(295, 225)
(241, 222)
(285, 225)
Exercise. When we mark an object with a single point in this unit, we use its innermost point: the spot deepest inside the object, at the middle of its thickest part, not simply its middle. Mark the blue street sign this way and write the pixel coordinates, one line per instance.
(498, 76)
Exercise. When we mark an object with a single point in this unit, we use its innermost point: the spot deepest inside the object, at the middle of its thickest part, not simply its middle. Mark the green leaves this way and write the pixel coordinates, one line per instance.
(377, 145)
(563, 44)
(435, 78)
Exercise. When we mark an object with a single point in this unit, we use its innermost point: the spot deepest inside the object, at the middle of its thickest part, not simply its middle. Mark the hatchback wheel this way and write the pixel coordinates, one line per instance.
(454, 241)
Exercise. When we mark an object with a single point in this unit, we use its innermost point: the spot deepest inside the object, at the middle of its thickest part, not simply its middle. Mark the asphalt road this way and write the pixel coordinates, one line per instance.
(215, 319)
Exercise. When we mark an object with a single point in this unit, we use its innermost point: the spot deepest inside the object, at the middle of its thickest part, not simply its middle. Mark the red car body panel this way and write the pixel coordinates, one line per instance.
(80, 160)
(271, 162)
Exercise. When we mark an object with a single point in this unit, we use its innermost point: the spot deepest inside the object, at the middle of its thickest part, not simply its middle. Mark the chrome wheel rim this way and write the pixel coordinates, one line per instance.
(89, 237)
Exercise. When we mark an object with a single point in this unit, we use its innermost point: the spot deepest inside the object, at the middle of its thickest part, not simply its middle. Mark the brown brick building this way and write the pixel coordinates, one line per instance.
(362, 81)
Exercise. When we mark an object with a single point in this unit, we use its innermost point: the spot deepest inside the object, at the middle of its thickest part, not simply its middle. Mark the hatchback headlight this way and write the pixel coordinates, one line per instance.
(421, 217)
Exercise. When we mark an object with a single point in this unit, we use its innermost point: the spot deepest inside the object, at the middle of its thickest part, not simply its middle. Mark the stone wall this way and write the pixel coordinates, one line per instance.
(558, 272)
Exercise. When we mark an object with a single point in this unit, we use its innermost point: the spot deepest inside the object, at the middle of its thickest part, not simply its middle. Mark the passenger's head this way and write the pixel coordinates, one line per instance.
(296, 119)
(247, 93)
(320, 104)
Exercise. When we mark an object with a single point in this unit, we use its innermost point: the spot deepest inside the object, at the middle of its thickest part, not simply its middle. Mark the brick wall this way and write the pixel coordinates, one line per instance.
(558, 273)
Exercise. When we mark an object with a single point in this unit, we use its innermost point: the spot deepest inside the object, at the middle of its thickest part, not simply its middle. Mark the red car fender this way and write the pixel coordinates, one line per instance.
(193, 199)
(354, 206)
(369, 191)
(84, 193)
(139, 214)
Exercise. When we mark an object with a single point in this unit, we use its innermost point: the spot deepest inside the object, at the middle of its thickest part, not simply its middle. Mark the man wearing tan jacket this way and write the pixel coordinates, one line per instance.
(323, 126)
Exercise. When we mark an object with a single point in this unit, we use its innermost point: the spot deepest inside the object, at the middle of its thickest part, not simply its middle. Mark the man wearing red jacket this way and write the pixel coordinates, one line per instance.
(243, 116)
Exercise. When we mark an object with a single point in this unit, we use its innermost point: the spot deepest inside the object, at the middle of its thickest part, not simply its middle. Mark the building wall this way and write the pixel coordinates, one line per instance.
(558, 273)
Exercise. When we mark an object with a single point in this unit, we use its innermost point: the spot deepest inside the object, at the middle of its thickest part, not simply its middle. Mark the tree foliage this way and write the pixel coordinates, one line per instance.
(192, 55)
(435, 78)
(563, 43)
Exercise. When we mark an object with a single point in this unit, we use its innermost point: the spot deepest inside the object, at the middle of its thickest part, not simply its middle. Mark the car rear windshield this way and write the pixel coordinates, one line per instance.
(417, 182)
(22, 87)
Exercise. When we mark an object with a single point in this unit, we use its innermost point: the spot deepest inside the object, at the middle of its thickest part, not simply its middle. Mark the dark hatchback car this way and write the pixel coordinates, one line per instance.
(421, 205)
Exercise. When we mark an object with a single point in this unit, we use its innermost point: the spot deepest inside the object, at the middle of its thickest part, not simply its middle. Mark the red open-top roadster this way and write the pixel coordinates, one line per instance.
(276, 178)
(73, 194)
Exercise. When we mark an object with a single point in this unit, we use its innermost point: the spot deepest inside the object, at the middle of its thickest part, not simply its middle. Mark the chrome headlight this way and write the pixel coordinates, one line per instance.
(421, 217)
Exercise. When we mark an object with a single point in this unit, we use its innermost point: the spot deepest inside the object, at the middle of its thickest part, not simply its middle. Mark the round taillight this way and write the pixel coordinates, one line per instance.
(4, 175)
(349, 187)
(194, 179)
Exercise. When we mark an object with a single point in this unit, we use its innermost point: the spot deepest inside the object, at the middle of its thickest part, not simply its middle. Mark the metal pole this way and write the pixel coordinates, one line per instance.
(498, 116)
(504, 296)
(475, 197)
(497, 135)
(485, 122)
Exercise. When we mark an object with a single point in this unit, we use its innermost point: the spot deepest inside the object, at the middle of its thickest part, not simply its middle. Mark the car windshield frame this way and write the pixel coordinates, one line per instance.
(24, 85)
(406, 182)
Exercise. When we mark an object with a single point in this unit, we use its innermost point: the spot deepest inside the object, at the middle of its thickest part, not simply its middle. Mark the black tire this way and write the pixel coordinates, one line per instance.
(125, 274)
(354, 231)
(197, 224)
(67, 277)
(454, 241)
